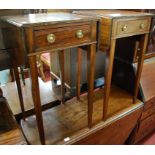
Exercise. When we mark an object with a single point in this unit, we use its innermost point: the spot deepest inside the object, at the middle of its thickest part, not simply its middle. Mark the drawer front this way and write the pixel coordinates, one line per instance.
(146, 127)
(149, 104)
(131, 27)
(148, 112)
(63, 36)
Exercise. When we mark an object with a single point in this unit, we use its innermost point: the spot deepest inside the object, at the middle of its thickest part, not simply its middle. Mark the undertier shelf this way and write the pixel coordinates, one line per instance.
(64, 124)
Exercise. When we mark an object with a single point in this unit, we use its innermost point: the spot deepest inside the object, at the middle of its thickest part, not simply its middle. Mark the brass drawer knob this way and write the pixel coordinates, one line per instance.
(124, 28)
(141, 26)
(79, 34)
(51, 38)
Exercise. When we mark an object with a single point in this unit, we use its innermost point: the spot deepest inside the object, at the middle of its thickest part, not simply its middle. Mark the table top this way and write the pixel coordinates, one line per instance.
(45, 19)
(112, 13)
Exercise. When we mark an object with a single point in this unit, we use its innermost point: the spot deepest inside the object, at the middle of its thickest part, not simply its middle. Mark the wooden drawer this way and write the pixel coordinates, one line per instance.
(64, 36)
(149, 103)
(146, 127)
(148, 112)
(131, 27)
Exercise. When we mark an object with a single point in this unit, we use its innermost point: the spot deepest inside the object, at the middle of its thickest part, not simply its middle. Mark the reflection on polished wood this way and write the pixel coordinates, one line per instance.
(68, 120)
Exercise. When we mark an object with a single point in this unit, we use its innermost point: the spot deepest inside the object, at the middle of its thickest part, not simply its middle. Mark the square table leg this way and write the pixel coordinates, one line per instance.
(62, 74)
(36, 97)
(90, 76)
(17, 79)
(143, 45)
(79, 71)
(108, 76)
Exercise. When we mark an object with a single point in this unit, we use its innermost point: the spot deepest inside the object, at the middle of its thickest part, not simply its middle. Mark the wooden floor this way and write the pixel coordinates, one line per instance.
(11, 94)
(64, 122)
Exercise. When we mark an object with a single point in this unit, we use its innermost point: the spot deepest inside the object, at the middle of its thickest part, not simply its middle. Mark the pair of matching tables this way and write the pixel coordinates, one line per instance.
(34, 34)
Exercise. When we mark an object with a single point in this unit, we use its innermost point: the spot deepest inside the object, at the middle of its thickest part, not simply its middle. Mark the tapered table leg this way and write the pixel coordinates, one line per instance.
(62, 74)
(143, 45)
(108, 76)
(22, 74)
(90, 76)
(40, 67)
(1, 93)
(79, 71)
(17, 79)
(36, 97)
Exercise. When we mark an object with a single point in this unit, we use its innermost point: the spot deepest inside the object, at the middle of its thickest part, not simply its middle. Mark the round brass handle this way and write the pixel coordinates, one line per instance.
(79, 34)
(141, 26)
(124, 28)
(51, 38)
